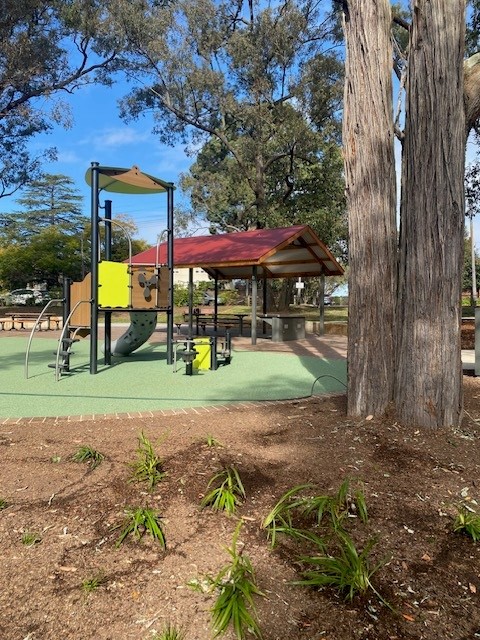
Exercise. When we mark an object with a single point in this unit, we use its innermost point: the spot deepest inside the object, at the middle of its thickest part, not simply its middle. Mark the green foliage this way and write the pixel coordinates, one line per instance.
(42, 58)
(235, 585)
(47, 255)
(50, 201)
(259, 132)
(148, 466)
(92, 584)
(140, 521)
(170, 633)
(29, 538)
(280, 518)
(3, 504)
(342, 568)
(124, 229)
(89, 456)
(228, 492)
(335, 561)
(343, 504)
(468, 522)
(180, 296)
(335, 508)
(212, 441)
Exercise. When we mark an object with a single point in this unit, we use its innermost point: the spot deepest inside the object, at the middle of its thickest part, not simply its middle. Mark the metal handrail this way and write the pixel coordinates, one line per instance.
(37, 322)
(62, 335)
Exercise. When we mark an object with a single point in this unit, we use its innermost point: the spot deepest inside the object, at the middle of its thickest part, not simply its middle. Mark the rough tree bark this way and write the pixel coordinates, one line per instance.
(428, 387)
(368, 138)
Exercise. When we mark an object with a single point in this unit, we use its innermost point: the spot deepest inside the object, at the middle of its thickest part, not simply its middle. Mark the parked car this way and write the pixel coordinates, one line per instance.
(209, 299)
(27, 296)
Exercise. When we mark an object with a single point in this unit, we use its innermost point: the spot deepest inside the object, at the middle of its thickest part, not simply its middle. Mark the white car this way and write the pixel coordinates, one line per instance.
(26, 296)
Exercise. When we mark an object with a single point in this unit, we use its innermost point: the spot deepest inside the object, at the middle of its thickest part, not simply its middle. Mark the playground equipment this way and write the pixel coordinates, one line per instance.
(203, 353)
(116, 287)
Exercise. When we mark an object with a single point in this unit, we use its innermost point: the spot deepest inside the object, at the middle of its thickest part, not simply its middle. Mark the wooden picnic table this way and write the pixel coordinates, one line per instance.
(53, 321)
(225, 320)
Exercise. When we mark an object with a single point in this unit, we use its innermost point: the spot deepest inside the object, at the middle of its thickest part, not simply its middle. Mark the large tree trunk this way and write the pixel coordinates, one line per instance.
(368, 140)
(428, 389)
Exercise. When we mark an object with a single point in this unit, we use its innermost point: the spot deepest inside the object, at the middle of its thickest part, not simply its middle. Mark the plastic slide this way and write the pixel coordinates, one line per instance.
(142, 325)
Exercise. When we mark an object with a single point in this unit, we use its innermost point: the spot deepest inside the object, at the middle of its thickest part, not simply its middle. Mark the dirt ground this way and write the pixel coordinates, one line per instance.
(414, 481)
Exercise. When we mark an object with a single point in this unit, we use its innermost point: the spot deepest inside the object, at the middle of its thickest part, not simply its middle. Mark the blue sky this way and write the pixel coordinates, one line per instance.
(99, 135)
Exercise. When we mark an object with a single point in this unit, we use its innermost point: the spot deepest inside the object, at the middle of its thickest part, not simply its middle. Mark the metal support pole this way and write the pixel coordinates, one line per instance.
(264, 297)
(170, 263)
(215, 303)
(477, 341)
(321, 304)
(213, 353)
(108, 256)
(474, 270)
(190, 303)
(94, 269)
(66, 300)
(254, 305)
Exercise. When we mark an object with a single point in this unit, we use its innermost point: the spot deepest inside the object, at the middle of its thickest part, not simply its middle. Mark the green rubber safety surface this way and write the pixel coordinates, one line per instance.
(144, 382)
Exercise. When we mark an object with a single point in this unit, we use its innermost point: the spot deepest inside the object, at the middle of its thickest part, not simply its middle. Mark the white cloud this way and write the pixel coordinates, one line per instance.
(68, 156)
(116, 137)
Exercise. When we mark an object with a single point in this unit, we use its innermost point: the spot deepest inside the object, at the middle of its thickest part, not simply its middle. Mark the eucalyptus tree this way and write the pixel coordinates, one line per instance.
(404, 330)
(238, 80)
(47, 48)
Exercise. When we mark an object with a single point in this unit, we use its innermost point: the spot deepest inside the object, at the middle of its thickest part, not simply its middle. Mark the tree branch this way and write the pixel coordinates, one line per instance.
(471, 68)
(401, 22)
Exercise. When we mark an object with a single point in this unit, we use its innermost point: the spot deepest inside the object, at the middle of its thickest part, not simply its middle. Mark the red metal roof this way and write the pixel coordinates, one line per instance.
(278, 253)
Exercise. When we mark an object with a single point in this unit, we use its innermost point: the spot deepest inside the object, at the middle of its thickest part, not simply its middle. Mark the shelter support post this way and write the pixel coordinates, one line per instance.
(321, 304)
(190, 302)
(254, 305)
(264, 297)
(215, 302)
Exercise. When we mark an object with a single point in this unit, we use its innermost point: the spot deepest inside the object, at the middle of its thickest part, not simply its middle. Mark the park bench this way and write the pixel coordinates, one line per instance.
(223, 321)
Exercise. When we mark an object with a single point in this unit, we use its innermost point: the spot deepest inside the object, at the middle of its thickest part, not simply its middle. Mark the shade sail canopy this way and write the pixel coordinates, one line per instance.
(277, 253)
(130, 181)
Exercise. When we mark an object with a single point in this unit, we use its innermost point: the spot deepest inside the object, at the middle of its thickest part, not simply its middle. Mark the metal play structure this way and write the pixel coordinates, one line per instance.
(112, 286)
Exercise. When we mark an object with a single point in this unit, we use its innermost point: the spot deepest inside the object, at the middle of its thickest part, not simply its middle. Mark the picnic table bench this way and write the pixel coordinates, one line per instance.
(52, 321)
(223, 320)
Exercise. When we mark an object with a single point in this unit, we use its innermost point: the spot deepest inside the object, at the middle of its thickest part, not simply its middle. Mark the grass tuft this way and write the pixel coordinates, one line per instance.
(330, 511)
(29, 538)
(92, 584)
(140, 521)
(345, 503)
(226, 496)
(235, 586)
(88, 455)
(148, 467)
(170, 633)
(280, 518)
(212, 441)
(3, 504)
(343, 568)
(468, 522)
